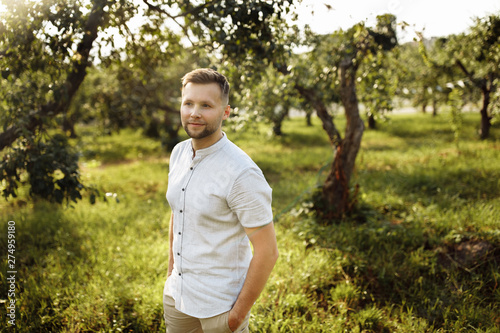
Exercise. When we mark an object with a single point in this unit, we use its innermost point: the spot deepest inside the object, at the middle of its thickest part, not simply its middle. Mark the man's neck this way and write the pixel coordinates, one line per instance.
(198, 144)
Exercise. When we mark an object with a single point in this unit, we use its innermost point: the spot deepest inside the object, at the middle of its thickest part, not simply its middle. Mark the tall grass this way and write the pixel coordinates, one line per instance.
(424, 259)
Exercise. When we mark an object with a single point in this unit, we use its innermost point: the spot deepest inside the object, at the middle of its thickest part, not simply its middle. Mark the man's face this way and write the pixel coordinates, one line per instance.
(202, 111)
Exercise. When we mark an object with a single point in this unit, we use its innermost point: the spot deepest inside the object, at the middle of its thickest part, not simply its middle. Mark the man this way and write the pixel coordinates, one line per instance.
(220, 201)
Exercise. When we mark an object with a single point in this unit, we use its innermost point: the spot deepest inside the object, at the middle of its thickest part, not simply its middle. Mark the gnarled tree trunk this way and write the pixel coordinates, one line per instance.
(336, 188)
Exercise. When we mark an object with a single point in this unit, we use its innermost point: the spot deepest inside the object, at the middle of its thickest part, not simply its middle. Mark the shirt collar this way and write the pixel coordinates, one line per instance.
(213, 148)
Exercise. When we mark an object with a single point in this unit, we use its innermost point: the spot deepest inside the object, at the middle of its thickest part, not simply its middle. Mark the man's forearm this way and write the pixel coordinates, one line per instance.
(256, 279)
(261, 266)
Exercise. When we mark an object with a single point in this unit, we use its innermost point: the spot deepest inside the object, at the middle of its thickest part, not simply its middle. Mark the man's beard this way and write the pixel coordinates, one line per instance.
(207, 131)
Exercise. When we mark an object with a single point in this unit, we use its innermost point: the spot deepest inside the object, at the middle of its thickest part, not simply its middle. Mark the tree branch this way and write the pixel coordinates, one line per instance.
(70, 86)
(311, 96)
(480, 83)
(175, 17)
(462, 67)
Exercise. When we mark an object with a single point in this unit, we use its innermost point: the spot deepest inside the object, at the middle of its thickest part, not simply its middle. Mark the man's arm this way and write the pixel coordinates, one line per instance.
(265, 255)
(170, 243)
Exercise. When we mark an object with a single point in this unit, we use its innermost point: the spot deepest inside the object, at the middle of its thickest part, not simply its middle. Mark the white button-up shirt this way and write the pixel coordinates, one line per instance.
(213, 196)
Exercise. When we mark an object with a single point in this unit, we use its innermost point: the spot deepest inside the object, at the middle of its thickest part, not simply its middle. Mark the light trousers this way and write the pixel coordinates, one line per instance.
(179, 322)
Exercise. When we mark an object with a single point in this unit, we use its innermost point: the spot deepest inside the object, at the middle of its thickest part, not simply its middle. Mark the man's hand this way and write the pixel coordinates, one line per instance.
(234, 320)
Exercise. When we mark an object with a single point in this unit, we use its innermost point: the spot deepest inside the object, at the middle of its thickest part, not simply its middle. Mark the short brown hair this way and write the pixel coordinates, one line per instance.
(206, 76)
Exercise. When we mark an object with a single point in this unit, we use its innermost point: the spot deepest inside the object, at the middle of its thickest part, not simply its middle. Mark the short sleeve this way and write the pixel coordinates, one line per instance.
(250, 199)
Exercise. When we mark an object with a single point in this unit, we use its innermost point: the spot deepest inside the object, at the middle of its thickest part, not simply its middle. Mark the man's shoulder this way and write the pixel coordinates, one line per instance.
(238, 156)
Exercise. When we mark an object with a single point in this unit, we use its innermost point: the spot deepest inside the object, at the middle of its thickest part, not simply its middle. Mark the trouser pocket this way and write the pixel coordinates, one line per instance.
(216, 324)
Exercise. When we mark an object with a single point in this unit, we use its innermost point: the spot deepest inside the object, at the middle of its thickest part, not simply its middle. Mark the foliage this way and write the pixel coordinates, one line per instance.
(378, 78)
(456, 104)
(247, 33)
(54, 39)
(51, 167)
(378, 86)
(271, 97)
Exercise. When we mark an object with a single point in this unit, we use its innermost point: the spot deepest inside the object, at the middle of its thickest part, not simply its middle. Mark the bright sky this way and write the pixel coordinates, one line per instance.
(438, 17)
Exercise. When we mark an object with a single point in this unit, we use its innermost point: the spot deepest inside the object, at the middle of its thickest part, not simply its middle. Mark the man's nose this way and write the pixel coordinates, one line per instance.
(195, 112)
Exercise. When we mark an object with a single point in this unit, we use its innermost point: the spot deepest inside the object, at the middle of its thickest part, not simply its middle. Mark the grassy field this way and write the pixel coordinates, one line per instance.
(425, 258)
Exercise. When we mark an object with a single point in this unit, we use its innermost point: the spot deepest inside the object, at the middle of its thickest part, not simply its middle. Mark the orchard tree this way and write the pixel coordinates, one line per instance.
(477, 55)
(333, 76)
(47, 47)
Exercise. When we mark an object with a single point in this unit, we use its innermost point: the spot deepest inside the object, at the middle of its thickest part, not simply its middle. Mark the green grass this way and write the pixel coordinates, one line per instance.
(426, 259)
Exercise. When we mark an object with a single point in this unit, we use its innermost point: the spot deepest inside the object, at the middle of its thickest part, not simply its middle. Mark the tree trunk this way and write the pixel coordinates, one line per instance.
(171, 127)
(484, 131)
(434, 107)
(372, 124)
(309, 119)
(278, 120)
(68, 127)
(424, 99)
(336, 187)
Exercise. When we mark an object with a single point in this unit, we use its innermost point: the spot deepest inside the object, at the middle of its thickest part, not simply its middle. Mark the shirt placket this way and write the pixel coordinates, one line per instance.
(182, 214)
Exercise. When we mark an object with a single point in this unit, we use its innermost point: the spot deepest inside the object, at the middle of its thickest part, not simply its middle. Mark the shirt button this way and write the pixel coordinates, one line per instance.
(191, 168)
(178, 254)
(180, 274)
(183, 189)
(181, 210)
(179, 232)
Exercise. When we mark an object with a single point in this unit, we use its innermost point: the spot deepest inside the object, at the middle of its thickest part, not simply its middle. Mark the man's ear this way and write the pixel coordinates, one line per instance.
(227, 111)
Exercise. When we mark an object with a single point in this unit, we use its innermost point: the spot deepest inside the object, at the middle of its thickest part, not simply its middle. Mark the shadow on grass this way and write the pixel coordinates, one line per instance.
(44, 241)
(126, 145)
(441, 188)
(421, 126)
(318, 139)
